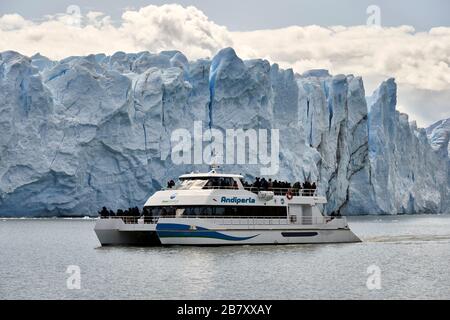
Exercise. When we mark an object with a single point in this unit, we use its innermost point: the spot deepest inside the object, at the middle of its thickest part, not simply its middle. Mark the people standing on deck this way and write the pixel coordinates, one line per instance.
(104, 212)
(170, 184)
(313, 188)
(264, 184)
(257, 184)
(306, 188)
(275, 184)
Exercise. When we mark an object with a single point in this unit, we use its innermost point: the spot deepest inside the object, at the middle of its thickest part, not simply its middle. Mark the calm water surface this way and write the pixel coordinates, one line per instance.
(412, 252)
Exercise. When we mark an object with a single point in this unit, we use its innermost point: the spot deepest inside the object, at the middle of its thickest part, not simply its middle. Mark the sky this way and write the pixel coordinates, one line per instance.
(377, 39)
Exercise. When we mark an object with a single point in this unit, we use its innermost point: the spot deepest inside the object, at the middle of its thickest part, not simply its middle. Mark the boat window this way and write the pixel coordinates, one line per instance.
(179, 212)
(161, 211)
(242, 211)
(219, 182)
(226, 211)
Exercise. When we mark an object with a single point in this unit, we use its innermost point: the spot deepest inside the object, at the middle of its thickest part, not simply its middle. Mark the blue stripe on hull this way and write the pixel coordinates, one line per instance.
(166, 230)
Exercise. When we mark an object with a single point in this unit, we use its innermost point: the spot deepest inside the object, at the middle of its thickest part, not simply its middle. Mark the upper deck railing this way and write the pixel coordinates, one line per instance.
(276, 191)
(285, 191)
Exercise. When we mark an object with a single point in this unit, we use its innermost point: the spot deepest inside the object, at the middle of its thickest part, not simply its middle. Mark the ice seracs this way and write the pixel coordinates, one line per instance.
(86, 131)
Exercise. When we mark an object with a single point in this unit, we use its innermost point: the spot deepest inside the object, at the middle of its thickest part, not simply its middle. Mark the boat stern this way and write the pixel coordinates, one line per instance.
(123, 231)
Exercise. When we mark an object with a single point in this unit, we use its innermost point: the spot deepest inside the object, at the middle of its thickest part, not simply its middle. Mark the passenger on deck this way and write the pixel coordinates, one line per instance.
(257, 184)
(306, 188)
(264, 184)
(146, 214)
(276, 185)
(104, 212)
(136, 212)
(313, 188)
(270, 184)
(285, 185)
(170, 184)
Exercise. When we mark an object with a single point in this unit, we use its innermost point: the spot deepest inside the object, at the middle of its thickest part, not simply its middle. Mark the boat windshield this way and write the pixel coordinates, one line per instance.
(205, 183)
(220, 183)
(192, 183)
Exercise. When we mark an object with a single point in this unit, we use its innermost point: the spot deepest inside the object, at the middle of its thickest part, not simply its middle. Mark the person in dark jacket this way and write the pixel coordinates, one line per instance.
(313, 188)
(104, 212)
(257, 183)
(264, 184)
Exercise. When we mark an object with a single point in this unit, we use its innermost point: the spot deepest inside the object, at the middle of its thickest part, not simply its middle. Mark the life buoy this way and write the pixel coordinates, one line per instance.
(289, 194)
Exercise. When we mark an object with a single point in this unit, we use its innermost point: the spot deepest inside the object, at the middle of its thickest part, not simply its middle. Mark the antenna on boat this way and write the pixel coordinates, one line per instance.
(213, 166)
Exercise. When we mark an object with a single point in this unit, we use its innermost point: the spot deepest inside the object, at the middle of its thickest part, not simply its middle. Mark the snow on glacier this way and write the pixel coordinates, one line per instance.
(85, 132)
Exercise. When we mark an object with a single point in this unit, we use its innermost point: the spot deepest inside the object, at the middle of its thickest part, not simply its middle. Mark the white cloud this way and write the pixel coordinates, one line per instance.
(418, 60)
(10, 22)
(152, 28)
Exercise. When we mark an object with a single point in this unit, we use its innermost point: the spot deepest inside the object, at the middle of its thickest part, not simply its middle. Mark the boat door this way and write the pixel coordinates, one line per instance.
(294, 213)
(306, 214)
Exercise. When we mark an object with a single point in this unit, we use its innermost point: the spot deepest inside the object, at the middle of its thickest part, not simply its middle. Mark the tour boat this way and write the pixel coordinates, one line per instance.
(219, 209)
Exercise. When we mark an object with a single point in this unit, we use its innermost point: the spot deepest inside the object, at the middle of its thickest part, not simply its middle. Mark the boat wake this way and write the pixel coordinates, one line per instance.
(409, 238)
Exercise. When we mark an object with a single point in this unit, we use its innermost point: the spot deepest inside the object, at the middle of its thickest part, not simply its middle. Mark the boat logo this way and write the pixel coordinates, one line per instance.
(237, 200)
(173, 196)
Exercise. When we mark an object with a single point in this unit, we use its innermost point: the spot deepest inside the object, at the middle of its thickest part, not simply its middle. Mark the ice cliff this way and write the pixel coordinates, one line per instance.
(84, 132)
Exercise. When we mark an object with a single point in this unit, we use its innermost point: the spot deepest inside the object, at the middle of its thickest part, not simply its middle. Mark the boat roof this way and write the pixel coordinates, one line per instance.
(212, 173)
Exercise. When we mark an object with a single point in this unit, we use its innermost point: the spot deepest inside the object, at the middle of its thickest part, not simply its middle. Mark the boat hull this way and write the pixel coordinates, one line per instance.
(127, 238)
(173, 231)
(113, 232)
(257, 237)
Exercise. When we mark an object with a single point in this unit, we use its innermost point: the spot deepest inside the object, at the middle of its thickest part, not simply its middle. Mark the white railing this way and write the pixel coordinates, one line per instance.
(233, 220)
(285, 191)
(276, 191)
(133, 219)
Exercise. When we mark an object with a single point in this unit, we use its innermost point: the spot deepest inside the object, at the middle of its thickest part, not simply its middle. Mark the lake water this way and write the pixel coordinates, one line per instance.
(411, 253)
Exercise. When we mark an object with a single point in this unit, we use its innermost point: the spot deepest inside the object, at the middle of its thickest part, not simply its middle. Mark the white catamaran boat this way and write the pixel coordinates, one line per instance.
(217, 209)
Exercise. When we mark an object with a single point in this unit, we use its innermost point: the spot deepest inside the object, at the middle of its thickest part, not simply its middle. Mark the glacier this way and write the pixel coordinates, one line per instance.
(92, 131)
